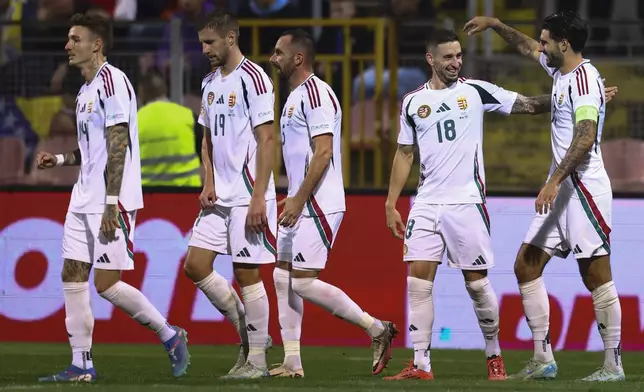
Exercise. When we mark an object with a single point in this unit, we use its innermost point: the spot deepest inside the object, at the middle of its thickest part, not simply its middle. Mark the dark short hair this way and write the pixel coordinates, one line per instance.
(303, 39)
(220, 20)
(440, 36)
(97, 25)
(567, 25)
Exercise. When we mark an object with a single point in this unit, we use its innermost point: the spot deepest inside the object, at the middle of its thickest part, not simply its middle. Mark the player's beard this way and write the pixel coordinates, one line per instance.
(448, 77)
(554, 60)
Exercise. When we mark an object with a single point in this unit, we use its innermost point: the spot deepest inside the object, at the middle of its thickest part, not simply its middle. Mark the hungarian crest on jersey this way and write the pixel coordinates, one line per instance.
(462, 102)
(232, 99)
(290, 111)
(211, 97)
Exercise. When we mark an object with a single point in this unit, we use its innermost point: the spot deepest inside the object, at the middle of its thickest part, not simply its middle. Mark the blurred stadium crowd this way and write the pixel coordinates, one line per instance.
(37, 88)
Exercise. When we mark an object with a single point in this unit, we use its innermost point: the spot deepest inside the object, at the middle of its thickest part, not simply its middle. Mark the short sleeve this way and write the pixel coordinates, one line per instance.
(544, 63)
(587, 89)
(320, 108)
(493, 97)
(261, 95)
(406, 134)
(118, 97)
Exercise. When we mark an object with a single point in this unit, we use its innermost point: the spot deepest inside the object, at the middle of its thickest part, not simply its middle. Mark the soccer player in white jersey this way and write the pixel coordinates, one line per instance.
(444, 119)
(308, 225)
(574, 206)
(100, 221)
(239, 211)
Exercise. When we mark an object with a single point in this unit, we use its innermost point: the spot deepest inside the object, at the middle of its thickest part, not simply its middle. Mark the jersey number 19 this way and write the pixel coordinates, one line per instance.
(220, 122)
(448, 130)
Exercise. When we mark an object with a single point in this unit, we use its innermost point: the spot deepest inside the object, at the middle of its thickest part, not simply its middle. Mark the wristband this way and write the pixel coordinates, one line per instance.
(60, 159)
(113, 200)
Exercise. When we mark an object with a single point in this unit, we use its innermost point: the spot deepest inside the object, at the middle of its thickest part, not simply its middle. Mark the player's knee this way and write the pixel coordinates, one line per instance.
(302, 286)
(595, 271)
(477, 288)
(247, 274)
(75, 271)
(103, 281)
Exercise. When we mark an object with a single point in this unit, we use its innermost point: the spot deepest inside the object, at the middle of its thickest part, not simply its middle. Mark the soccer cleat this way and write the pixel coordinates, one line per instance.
(496, 368)
(411, 372)
(243, 355)
(286, 372)
(72, 374)
(247, 372)
(604, 375)
(536, 370)
(177, 349)
(381, 346)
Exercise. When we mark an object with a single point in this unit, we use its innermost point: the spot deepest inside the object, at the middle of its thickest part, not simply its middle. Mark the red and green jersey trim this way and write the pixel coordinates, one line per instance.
(249, 181)
(484, 215)
(477, 176)
(124, 222)
(592, 211)
(320, 222)
(270, 242)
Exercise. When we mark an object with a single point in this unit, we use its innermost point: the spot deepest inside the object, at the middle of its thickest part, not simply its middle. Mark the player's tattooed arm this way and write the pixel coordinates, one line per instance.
(72, 158)
(117, 143)
(521, 42)
(532, 105)
(584, 138)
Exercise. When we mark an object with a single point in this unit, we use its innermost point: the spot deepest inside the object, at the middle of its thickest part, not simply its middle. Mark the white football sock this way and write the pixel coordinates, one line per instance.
(337, 302)
(486, 307)
(79, 322)
(421, 319)
(537, 311)
(225, 299)
(608, 313)
(257, 313)
(290, 308)
(135, 304)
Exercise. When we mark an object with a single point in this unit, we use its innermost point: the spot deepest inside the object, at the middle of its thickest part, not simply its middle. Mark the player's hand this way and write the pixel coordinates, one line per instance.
(291, 212)
(256, 219)
(546, 199)
(46, 160)
(110, 222)
(395, 223)
(610, 92)
(478, 24)
(207, 197)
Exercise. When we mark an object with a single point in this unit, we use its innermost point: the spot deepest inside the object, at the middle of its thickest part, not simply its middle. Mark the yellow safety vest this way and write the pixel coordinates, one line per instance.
(167, 145)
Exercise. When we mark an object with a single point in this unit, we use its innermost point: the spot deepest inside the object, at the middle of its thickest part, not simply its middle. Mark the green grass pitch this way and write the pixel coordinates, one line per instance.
(130, 368)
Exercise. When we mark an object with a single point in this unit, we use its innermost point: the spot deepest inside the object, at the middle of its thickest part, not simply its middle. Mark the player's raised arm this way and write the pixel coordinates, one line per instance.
(261, 98)
(403, 160)
(532, 105)
(524, 44)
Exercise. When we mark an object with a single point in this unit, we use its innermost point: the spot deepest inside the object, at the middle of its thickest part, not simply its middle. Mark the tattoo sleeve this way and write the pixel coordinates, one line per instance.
(532, 105)
(584, 137)
(72, 158)
(524, 44)
(117, 143)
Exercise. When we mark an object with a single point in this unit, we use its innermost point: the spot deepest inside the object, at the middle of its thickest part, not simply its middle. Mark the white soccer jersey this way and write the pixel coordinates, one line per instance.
(582, 86)
(231, 108)
(447, 126)
(107, 100)
(311, 110)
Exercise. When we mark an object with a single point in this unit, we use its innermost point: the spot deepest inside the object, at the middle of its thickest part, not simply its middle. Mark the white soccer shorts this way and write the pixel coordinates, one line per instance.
(83, 241)
(463, 230)
(580, 223)
(307, 244)
(223, 230)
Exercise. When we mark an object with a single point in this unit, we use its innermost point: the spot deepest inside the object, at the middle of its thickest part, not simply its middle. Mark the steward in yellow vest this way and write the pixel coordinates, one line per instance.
(166, 137)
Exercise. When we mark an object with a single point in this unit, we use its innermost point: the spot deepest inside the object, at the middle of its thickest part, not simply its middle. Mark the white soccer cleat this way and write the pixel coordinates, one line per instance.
(286, 372)
(243, 355)
(536, 370)
(248, 371)
(604, 375)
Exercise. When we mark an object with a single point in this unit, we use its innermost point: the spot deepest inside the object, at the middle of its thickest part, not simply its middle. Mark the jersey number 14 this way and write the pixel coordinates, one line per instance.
(447, 131)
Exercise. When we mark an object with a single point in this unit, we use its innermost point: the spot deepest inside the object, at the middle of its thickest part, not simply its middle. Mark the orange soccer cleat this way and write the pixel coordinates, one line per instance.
(413, 373)
(496, 368)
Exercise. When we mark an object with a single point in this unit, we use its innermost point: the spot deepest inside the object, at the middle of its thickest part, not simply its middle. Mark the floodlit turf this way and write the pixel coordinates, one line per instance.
(139, 368)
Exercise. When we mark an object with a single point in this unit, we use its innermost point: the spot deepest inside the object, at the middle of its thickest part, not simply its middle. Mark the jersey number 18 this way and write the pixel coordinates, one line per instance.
(447, 131)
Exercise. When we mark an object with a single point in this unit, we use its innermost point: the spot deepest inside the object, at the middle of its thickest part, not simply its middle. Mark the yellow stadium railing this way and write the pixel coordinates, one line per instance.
(367, 139)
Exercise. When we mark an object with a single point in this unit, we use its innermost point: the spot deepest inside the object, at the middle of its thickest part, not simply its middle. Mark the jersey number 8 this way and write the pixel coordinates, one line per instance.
(448, 128)
(220, 123)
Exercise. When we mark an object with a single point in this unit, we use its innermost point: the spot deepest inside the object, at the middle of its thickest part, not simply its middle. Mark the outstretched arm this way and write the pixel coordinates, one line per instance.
(532, 105)
(521, 42)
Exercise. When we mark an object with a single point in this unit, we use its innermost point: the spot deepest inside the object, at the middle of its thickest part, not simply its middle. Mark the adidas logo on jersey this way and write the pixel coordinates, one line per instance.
(243, 253)
(479, 261)
(103, 259)
(220, 101)
(443, 108)
(299, 258)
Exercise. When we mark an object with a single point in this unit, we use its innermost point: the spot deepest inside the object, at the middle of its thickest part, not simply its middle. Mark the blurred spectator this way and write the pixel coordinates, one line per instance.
(166, 137)
(10, 11)
(266, 9)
